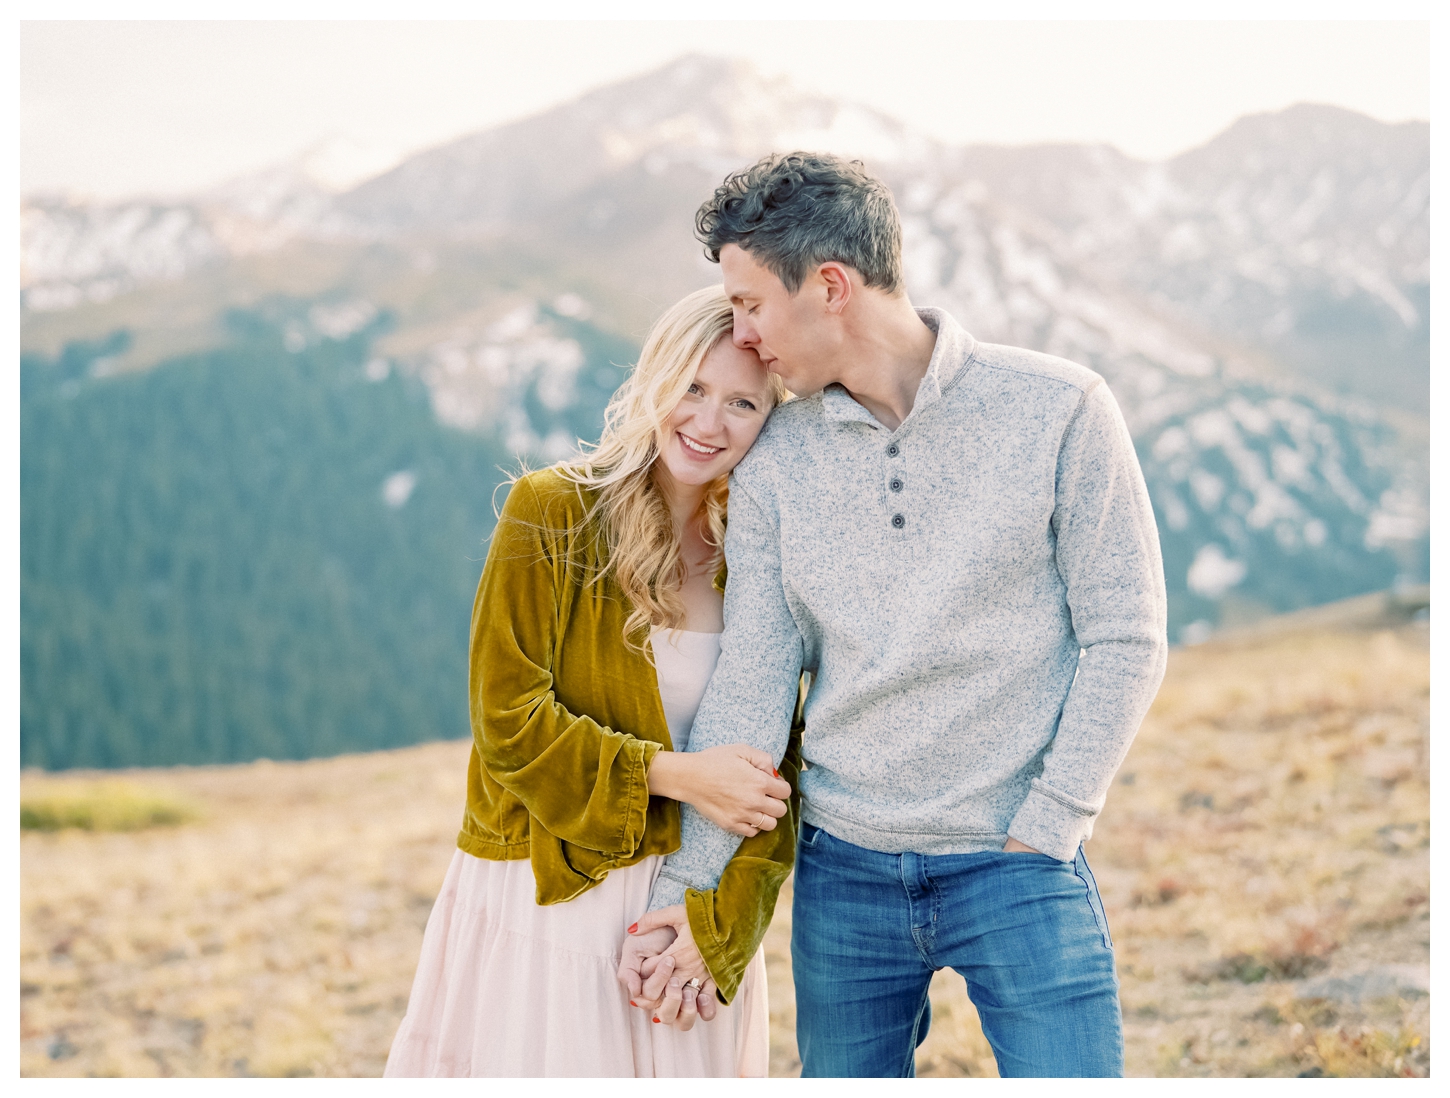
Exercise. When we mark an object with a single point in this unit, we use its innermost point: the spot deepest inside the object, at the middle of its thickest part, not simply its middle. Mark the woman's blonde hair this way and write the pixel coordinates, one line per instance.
(638, 543)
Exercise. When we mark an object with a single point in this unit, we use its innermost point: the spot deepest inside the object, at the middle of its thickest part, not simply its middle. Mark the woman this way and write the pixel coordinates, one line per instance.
(595, 630)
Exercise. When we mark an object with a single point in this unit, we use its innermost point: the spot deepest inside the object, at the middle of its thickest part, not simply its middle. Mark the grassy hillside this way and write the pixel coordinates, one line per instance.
(210, 571)
(267, 549)
(1269, 829)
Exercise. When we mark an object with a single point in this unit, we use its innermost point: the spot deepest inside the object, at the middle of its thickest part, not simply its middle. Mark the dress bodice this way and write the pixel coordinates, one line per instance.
(684, 662)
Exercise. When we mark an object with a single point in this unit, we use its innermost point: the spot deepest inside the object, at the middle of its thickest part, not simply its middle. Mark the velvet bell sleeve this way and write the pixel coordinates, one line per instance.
(729, 921)
(583, 782)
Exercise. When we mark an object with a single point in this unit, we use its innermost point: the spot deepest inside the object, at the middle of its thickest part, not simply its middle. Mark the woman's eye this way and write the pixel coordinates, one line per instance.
(746, 404)
(694, 389)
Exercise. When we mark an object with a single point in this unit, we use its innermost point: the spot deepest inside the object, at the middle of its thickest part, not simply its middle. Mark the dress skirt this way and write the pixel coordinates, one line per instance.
(508, 988)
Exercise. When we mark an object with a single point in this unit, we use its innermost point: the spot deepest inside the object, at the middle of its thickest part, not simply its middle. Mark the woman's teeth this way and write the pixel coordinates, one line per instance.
(691, 444)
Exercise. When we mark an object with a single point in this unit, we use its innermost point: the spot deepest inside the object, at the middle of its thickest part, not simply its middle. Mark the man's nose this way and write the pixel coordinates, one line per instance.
(744, 335)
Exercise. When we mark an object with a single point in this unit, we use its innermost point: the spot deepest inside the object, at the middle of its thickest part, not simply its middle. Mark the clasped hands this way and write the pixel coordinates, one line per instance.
(656, 964)
(737, 788)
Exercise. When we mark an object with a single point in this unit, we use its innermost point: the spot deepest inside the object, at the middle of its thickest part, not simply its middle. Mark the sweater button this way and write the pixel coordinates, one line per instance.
(896, 484)
(898, 520)
(893, 450)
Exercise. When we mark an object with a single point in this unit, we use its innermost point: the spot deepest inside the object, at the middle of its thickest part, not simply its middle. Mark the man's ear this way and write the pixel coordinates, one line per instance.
(837, 280)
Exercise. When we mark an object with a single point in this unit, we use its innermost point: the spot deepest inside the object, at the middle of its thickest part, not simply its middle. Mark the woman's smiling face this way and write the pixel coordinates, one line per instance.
(718, 418)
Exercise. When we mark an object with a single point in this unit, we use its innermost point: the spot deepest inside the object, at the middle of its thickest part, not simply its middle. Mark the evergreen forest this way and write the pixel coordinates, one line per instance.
(211, 569)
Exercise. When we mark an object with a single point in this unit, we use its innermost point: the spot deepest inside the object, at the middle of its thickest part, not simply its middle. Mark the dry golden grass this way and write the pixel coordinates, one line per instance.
(102, 806)
(276, 936)
(1270, 822)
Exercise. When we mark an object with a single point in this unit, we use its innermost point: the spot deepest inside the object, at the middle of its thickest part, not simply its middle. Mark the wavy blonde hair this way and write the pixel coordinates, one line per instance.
(638, 543)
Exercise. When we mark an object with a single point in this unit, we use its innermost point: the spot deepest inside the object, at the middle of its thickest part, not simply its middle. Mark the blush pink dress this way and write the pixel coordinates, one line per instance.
(505, 987)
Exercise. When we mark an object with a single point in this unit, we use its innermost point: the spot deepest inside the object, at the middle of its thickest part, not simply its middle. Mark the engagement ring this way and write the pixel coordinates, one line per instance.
(695, 983)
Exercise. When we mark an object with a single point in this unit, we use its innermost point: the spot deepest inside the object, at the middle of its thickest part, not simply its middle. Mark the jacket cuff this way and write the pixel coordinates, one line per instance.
(636, 800)
(714, 950)
(1053, 822)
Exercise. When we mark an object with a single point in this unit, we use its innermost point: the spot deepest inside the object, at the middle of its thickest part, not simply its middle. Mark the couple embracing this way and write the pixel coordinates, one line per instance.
(942, 622)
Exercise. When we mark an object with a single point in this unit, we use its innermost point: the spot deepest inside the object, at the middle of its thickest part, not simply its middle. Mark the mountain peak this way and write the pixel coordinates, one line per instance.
(699, 111)
(1318, 131)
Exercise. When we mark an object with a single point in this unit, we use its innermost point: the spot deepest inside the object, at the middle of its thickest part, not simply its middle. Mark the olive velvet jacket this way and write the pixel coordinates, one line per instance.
(566, 720)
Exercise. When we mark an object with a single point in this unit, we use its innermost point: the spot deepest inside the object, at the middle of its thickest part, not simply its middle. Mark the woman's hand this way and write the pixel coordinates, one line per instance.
(641, 957)
(683, 1004)
(676, 966)
(638, 949)
(735, 787)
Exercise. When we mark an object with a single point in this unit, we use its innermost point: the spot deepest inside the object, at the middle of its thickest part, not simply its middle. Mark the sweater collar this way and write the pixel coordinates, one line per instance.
(949, 358)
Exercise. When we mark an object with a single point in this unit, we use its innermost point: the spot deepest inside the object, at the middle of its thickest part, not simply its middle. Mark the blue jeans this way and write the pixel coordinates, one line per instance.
(1026, 931)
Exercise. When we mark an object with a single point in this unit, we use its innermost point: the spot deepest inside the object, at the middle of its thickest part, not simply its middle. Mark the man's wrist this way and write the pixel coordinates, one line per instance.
(668, 891)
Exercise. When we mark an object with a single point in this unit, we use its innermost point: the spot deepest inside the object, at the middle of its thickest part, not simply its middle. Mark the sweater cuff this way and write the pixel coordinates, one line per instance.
(667, 891)
(1053, 822)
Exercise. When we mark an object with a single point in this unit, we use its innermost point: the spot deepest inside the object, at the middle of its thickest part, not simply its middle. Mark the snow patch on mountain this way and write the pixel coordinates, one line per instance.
(72, 253)
(488, 378)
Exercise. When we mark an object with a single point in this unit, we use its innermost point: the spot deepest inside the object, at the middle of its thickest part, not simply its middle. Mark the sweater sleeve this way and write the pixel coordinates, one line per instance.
(585, 783)
(752, 693)
(1108, 556)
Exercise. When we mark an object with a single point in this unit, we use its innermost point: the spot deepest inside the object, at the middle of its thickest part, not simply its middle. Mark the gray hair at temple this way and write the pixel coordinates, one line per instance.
(795, 212)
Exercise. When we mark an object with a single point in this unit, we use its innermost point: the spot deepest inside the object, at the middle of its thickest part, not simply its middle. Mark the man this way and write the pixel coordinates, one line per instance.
(955, 541)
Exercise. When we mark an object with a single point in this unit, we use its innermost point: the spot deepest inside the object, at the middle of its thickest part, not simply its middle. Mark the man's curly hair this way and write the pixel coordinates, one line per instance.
(795, 212)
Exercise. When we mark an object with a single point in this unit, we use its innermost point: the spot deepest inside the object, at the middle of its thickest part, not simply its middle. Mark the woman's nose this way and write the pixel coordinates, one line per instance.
(709, 418)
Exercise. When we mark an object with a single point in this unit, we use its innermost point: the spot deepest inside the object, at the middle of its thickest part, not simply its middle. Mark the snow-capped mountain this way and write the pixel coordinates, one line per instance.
(1303, 233)
(1256, 304)
(73, 251)
(699, 113)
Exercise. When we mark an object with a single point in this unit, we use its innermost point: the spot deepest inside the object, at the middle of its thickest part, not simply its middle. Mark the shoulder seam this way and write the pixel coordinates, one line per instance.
(1098, 378)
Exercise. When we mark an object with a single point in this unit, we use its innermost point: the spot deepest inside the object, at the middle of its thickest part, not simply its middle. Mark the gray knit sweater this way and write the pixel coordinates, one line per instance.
(978, 596)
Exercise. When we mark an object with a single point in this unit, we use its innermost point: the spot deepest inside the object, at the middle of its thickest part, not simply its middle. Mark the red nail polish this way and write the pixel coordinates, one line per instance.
(656, 1019)
(775, 772)
(632, 928)
(633, 1003)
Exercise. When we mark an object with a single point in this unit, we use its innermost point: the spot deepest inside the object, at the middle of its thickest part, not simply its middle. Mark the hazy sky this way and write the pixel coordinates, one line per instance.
(113, 109)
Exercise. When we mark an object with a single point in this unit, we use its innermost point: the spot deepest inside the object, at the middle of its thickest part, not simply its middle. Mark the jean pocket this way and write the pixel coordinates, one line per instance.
(810, 834)
(1095, 901)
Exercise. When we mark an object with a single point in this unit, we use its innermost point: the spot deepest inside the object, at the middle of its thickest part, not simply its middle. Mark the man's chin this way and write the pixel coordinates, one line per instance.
(800, 387)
